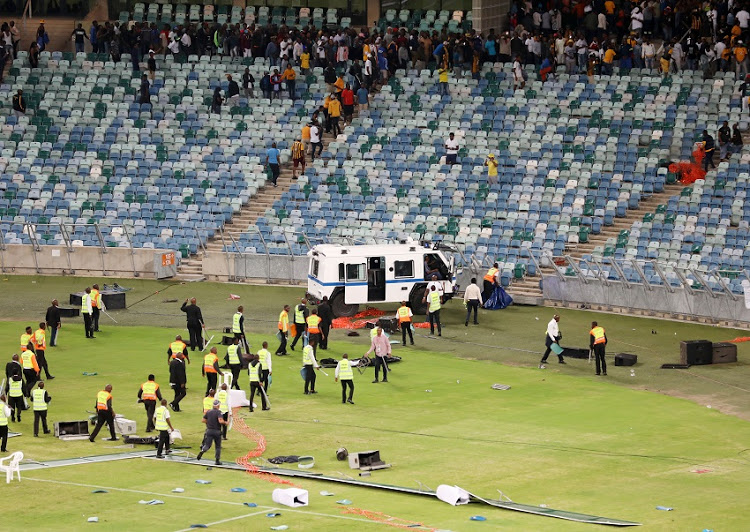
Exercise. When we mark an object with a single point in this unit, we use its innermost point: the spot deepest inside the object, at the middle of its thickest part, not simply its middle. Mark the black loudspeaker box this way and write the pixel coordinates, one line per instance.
(625, 359)
(724, 352)
(696, 352)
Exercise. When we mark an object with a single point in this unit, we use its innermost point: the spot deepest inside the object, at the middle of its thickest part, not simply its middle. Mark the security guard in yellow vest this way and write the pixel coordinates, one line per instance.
(148, 395)
(433, 299)
(597, 343)
(234, 359)
(163, 424)
(345, 373)
(255, 370)
(283, 330)
(15, 397)
(30, 371)
(104, 413)
(208, 401)
(26, 340)
(211, 370)
(264, 357)
(39, 399)
(404, 315)
(96, 306)
(315, 334)
(310, 365)
(489, 281)
(223, 396)
(300, 321)
(4, 413)
(238, 327)
(178, 346)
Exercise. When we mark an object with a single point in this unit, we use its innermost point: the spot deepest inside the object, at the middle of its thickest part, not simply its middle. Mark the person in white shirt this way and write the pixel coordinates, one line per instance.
(553, 336)
(451, 149)
(381, 346)
(742, 18)
(648, 52)
(315, 140)
(87, 310)
(472, 299)
(636, 21)
(518, 78)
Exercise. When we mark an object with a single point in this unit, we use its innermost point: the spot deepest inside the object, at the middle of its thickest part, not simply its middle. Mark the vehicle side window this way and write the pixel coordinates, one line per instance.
(355, 272)
(341, 271)
(403, 268)
(315, 267)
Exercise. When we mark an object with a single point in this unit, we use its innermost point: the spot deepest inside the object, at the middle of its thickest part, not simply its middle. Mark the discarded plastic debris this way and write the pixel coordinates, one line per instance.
(428, 391)
(152, 502)
(198, 526)
(238, 490)
(344, 501)
(93, 520)
(664, 508)
(477, 518)
(199, 481)
(273, 514)
(280, 527)
(100, 491)
(178, 490)
(89, 374)
(500, 387)
(251, 504)
(325, 493)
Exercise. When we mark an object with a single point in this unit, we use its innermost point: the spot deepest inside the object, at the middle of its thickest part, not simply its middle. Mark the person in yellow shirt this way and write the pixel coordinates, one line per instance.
(491, 163)
(609, 8)
(290, 76)
(608, 62)
(339, 84)
(740, 59)
(298, 156)
(304, 62)
(334, 114)
(443, 81)
(283, 330)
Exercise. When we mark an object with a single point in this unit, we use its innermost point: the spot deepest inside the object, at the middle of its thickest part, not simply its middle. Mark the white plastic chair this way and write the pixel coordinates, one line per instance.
(11, 464)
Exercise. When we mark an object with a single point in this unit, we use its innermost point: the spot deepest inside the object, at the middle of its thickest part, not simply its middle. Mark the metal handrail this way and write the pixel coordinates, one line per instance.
(2, 250)
(34, 243)
(640, 272)
(576, 268)
(103, 247)
(291, 255)
(224, 249)
(68, 246)
(132, 251)
(661, 274)
(685, 281)
(620, 273)
(551, 259)
(703, 282)
(599, 272)
(724, 286)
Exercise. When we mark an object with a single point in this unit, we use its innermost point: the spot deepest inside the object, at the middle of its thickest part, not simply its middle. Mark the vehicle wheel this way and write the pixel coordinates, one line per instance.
(415, 299)
(341, 309)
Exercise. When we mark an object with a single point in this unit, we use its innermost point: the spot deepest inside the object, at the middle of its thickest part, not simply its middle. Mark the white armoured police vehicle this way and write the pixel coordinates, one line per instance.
(385, 273)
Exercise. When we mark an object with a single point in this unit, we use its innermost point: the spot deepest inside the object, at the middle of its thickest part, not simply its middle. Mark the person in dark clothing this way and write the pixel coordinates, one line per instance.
(34, 55)
(248, 82)
(194, 323)
(326, 316)
(164, 426)
(213, 419)
(148, 395)
(53, 322)
(4, 56)
(40, 399)
(736, 139)
(12, 368)
(300, 321)
(177, 380)
(709, 147)
(19, 104)
(105, 413)
(4, 428)
(151, 65)
(598, 343)
(233, 89)
(216, 101)
(725, 139)
(255, 370)
(79, 34)
(145, 90)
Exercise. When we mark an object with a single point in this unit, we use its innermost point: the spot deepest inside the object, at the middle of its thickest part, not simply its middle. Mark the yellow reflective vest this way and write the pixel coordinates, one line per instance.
(37, 398)
(345, 370)
(160, 417)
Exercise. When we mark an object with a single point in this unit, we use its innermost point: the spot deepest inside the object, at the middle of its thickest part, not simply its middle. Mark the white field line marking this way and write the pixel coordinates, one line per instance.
(230, 519)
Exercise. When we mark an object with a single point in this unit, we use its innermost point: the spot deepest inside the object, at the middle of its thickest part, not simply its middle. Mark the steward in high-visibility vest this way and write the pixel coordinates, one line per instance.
(345, 373)
(310, 364)
(238, 327)
(489, 281)
(435, 301)
(104, 413)
(161, 417)
(266, 360)
(404, 315)
(4, 412)
(30, 370)
(300, 315)
(283, 330)
(255, 370)
(26, 339)
(40, 398)
(178, 346)
(211, 370)
(435, 305)
(597, 343)
(96, 306)
(163, 424)
(40, 339)
(15, 397)
(234, 352)
(313, 330)
(208, 402)
(223, 397)
(149, 394)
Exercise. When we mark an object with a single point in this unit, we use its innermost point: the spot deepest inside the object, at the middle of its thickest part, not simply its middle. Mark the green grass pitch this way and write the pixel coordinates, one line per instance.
(617, 446)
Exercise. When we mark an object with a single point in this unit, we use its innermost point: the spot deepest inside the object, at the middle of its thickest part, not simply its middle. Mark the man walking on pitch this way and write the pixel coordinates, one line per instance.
(345, 373)
(53, 322)
(96, 306)
(255, 370)
(553, 336)
(194, 323)
(30, 370)
(163, 424)
(310, 365)
(213, 420)
(326, 320)
(223, 397)
(435, 304)
(40, 346)
(4, 415)
(283, 330)
(404, 315)
(313, 330)
(382, 348)
(178, 346)
(234, 354)
(104, 413)
(15, 396)
(238, 327)
(148, 395)
(177, 380)
(87, 310)
(211, 370)
(300, 320)
(40, 399)
(597, 343)
(264, 356)
(473, 300)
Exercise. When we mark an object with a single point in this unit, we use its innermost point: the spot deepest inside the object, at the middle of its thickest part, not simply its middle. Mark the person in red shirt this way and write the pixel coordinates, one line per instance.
(347, 100)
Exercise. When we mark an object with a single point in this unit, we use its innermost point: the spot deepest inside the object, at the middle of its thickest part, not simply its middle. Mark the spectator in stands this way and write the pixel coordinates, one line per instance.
(736, 146)
(248, 82)
(740, 58)
(725, 139)
(145, 90)
(368, 72)
(304, 61)
(92, 37)
(265, 86)
(491, 163)
(34, 55)
(6, 39)
(151, 65)
(648, 53)
(608, 60)
(298, 156)
(272, 160)
(16, 34)
(334, 114)
(451, 149)
(3, 59)
(79, 34)
(275, 84)
(363, 98)
(233, 90)
(708, 148)
(306, 136)
(290, 77)
(545, 69)
(443, 81)
(19, 104)
(347, 101)
(315, 139)
(519, 76)
(216, 101)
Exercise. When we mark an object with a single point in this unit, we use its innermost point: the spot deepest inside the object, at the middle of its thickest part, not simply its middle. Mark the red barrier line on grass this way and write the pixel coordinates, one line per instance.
(386, 519)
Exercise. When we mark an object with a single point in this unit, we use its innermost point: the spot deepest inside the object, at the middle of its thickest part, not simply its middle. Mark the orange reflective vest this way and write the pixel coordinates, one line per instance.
(490, 275)
(149, 391)
(284, 321)
(313, 324)
(403, 314)
(177, 347)
(101, 400)
(40, 340)
(598, 334)
(94, 298)
(208, 363)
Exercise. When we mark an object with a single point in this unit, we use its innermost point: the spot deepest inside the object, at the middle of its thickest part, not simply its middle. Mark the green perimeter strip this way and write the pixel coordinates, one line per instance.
(31, 465)
(517, 507)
